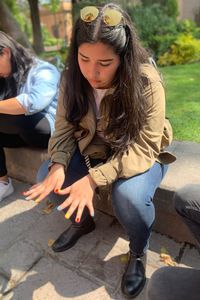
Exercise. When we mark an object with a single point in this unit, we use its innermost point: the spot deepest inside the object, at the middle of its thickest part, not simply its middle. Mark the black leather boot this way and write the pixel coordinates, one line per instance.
(134, 278)
(70, 236)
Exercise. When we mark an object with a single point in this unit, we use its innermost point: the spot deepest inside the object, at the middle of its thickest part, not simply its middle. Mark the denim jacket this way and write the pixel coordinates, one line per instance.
(40, 91)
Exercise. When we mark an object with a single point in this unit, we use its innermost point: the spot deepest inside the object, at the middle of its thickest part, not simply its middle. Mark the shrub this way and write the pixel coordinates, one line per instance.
(163, 43)
(154, 27)
(186, 49)
(20, 13)
(189, 27)
(48, 39)
(170, 7)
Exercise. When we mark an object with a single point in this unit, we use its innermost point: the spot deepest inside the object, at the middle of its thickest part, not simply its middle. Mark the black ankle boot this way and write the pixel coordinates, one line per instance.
(134, 278)
(70, 236)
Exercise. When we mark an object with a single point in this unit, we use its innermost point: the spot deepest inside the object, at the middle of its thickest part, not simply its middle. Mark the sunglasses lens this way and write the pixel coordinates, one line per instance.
(112, 17)
(89, 13)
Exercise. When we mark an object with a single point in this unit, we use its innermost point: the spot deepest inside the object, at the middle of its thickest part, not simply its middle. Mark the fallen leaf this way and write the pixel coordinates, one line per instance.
(50, 242)
(48, 208)
(166, 258)
(47, 201)
(124, 258)
(164, 250)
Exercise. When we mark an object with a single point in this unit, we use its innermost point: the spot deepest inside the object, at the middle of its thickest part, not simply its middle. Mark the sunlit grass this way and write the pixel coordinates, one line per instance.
(183, 100)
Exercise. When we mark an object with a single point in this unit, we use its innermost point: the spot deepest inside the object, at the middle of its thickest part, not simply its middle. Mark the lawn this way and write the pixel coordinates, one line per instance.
(182, 84)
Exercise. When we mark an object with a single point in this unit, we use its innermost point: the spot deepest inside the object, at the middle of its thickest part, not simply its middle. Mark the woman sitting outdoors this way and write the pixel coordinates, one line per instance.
(111, 132)
(28, 102)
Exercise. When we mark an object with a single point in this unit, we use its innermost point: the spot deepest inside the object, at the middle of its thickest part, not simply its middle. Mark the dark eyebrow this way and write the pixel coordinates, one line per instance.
(102, 60)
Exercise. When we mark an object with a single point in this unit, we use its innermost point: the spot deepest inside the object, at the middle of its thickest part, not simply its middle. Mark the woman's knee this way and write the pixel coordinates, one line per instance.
(181, 198)
(179, 202)
(188, 196)
(133, 208)
(136, 197)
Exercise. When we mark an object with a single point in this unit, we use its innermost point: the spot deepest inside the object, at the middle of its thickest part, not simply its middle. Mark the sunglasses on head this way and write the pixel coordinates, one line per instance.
(110, 16)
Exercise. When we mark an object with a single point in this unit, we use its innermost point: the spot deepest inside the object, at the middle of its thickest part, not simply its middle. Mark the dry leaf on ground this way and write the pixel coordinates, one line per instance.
(48, 208)
(166, 258)
(124, 258)
(50, 242)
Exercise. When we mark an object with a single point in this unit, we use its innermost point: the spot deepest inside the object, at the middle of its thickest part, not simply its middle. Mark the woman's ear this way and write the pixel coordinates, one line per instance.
(7, 52)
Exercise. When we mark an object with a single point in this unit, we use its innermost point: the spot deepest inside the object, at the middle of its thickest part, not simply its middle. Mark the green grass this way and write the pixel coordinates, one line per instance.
(182, 84)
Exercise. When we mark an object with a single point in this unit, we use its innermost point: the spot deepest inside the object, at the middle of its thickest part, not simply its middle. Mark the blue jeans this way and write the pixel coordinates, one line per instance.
(131, 198)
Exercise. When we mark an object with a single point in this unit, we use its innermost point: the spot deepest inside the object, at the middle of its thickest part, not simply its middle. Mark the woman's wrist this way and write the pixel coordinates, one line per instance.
(56, 166)
(92, 182)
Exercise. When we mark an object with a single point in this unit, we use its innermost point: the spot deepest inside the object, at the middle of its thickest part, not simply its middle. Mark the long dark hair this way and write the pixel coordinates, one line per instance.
(127, 113)
(21, 62)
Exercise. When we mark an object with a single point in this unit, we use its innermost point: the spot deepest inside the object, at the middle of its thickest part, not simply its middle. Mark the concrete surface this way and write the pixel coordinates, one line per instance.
(92, 269)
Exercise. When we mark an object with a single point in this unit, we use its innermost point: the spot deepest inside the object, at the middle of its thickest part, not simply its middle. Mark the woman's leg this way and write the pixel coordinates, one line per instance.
(132, 203)
(76, 170)
(9, 141)
(174, 283)
(20, 131)
(187, 204)
(133, 206)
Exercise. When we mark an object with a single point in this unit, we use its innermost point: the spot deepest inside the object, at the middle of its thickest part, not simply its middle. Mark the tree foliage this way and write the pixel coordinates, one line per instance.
(169, 6)
(9, 24)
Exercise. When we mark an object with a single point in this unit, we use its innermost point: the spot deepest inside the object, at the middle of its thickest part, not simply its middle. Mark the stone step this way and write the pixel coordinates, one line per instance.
(23, 164)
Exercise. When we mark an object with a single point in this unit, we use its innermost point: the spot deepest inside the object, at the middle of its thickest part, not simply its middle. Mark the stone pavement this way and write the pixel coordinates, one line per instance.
(92, 269)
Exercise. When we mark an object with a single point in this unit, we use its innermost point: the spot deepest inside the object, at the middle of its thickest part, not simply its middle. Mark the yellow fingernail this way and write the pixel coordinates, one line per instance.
(67, 216)
(37, 200)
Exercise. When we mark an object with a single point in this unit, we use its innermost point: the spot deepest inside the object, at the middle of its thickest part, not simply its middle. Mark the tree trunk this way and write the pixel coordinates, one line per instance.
(37, 32)
(10, 26)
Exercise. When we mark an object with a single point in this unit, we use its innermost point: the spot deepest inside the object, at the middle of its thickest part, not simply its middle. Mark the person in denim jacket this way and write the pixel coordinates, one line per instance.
(28, 102)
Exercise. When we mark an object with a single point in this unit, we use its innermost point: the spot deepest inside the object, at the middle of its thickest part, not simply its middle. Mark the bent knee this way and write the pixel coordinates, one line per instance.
(136, 198)
(183, 197)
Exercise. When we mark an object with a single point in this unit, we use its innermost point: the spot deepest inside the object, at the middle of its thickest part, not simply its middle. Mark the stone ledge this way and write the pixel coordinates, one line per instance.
(23, 164)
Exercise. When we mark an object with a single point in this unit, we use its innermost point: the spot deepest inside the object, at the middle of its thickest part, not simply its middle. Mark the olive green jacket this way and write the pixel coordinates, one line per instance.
(155, 136)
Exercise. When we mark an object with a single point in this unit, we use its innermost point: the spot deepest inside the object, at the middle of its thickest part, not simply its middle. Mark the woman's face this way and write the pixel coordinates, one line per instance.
(98, 64)
(5, 63)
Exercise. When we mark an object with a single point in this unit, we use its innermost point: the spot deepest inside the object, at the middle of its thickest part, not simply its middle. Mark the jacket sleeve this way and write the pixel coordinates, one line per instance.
(62, 143)
(140, 156)
(41, 90)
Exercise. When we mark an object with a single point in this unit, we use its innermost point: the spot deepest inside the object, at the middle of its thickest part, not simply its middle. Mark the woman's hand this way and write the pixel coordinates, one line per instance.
(80, 195)
(53, 181)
